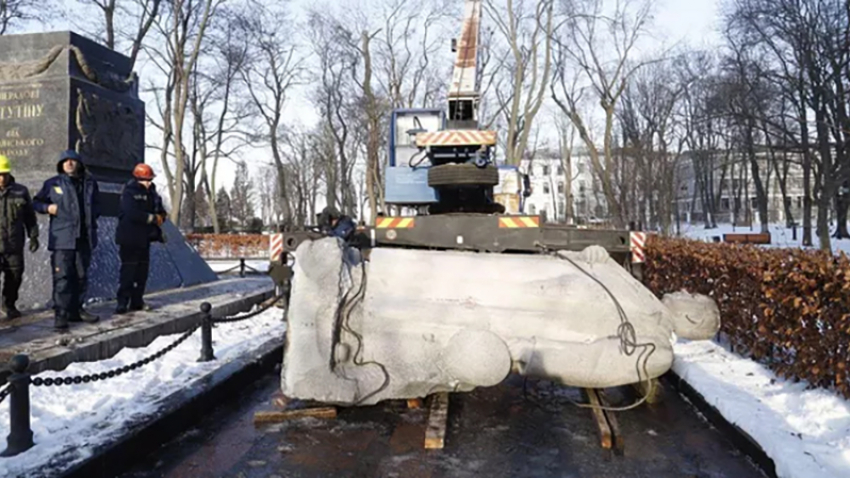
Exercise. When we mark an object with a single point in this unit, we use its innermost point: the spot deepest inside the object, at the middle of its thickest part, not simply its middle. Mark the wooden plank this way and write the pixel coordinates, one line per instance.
(606, 439)
(435, 434)
(613, 425)
(284, 415)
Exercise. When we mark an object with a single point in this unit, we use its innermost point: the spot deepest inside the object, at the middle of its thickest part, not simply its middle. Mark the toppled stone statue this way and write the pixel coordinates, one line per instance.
(409, 323)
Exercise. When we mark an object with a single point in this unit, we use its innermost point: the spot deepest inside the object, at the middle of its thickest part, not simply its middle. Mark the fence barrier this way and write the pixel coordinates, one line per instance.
(20, 438)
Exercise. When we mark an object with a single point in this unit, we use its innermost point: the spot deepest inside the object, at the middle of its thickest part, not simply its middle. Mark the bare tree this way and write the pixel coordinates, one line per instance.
(529, 39)
(407, 50)
(15, 12)
(805, 48)
(124, 22)
(598, 46)
(274, 69)
(646, 118)
(339, 103)
(228, 60)
(566, 145)
(183, 29)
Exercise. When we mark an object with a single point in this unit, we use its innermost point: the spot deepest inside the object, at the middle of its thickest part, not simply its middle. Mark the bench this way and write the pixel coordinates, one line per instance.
(748, 238)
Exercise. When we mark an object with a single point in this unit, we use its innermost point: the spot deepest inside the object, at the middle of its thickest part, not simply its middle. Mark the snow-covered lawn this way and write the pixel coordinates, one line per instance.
(805, 432)
(69, 422)
(219, 266)
(780, 235)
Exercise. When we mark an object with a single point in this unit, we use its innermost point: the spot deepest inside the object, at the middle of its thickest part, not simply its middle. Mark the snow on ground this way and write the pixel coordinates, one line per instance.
(219, 266)
(69, 422)
(805, 432)
(780, 236)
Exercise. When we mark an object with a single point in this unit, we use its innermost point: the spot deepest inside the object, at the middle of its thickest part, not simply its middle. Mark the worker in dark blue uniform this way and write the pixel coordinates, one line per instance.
(334, 223)
(17, 216)
(71, 198)
(139, 224)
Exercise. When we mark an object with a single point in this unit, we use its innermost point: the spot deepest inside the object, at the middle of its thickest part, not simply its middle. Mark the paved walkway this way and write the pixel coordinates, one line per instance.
(493, 432)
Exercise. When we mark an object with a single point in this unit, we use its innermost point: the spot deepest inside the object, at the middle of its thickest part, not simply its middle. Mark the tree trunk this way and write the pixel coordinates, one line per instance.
(373, 141)
(827, 192)
(842, 201)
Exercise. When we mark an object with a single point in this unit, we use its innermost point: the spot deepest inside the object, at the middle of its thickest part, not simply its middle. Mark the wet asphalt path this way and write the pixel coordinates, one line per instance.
(504, 431)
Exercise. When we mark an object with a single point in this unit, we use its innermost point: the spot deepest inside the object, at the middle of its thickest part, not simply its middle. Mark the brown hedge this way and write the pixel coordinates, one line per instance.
(787, 308)
(230, 246)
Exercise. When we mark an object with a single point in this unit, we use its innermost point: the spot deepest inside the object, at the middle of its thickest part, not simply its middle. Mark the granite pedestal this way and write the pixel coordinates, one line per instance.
(61, 91)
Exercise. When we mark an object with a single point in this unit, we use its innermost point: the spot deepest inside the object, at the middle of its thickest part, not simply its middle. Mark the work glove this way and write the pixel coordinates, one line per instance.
(157, 219)
(33, 244)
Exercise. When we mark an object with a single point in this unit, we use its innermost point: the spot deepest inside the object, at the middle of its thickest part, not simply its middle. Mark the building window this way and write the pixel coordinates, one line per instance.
(532, 209)
(560, 187)
(580, 167)
(754, 203)
(545, 188)
(724, 204)
(799, 202)
(560, 170)
(582, 186)
(545, 169)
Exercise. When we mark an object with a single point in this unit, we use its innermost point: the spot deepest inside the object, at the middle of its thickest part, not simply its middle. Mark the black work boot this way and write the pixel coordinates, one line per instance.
(87, 317)
(143, 306)
(121, 309)
(12, 312)
(60, 323)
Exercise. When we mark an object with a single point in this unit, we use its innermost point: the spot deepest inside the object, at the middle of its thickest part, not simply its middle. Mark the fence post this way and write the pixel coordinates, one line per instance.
(241, 267)
(20, 433)
(206, 333)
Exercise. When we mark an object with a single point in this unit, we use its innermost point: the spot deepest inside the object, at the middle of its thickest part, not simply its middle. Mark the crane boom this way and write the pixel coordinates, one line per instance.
(463, 94)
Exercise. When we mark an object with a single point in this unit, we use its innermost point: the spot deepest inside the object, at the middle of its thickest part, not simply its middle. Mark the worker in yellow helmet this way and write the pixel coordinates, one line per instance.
(16, 217)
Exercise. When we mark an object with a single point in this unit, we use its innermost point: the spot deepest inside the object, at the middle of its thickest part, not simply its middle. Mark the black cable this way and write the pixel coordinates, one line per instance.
(423, 154)
(343, 316)
(628, 340)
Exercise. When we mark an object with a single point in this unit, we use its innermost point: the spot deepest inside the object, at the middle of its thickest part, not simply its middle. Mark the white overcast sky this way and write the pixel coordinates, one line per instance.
(693, 22)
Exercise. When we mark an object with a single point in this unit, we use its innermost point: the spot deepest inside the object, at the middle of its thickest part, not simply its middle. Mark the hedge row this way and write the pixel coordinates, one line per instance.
(230, 246)
(787, 308)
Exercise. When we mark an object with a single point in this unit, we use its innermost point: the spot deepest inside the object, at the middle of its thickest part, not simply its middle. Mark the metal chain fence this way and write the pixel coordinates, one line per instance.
(226, 320)
(95, 377)
(20, 436)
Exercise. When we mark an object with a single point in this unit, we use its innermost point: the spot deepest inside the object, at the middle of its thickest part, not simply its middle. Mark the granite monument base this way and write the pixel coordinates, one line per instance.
(174, 264)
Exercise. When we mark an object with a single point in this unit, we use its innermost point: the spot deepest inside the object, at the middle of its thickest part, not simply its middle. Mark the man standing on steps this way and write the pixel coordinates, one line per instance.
(139, 223)
(71, 200)
(16, 215)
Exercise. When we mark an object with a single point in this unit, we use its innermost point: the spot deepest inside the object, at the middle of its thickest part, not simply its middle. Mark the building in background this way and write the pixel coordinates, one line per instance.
(550, 190)
(723, 187)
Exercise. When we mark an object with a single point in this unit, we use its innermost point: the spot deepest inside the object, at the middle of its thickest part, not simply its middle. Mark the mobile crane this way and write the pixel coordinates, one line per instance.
(442, 173)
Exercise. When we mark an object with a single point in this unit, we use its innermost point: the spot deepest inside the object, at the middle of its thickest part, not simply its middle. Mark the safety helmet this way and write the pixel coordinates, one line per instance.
(143, 171)
(331, 212)
(5, 165)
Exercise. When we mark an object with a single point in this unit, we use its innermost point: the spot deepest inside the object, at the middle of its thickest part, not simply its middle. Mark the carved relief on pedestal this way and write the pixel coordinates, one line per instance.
(109, 131)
